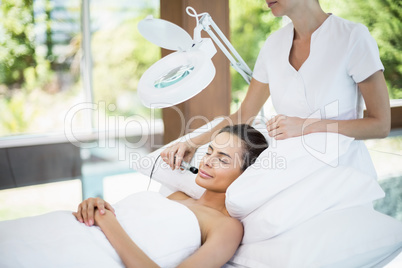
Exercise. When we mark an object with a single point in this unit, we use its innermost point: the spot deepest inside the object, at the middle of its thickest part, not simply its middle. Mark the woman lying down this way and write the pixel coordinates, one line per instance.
(144, 229)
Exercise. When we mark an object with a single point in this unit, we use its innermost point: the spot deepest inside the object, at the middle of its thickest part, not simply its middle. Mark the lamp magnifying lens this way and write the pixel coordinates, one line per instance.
(174, 76)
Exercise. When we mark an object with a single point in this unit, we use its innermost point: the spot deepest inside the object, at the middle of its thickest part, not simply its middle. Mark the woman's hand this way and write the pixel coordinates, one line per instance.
(178, 152)
(100, 219)
(86, 210)
(282, 127)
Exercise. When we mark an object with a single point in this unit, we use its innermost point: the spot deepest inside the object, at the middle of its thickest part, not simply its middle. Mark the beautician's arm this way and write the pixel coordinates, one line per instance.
(376, 125)
(220, 245)
(256, 96)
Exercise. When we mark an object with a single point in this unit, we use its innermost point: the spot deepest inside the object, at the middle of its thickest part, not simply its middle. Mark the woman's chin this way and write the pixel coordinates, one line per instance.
(197, 182)
(203, 182)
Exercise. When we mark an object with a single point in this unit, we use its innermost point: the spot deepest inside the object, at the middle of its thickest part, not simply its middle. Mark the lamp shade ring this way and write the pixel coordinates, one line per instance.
(175, 78)
(165, 34)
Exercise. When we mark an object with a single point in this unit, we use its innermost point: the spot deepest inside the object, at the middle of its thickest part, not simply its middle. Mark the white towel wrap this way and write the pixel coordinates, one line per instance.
(165, 230)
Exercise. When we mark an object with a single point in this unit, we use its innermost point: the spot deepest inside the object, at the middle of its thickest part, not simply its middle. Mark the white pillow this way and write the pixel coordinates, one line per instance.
(281, 198)
(282, 165)
(353, 237)
(325, 189)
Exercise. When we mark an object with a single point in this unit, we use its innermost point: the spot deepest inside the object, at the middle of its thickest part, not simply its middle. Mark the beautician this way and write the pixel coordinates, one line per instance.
(318, 70)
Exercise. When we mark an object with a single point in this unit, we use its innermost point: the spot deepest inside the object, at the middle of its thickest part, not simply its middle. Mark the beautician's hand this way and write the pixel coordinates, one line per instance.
(282, 127)
(85, 212)
(179, 151)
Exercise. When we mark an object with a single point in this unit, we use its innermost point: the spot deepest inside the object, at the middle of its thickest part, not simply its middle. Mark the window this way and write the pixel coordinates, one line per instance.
(120, 56)
(48, 87)
(39, 66)
(44, 77)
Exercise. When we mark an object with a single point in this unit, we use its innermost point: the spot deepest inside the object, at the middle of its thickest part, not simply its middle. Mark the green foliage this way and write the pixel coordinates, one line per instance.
(18, 49)
(32, 97)
(384, 20)
(27, 80)
(120, 56)
(250, 22)
(15, 116)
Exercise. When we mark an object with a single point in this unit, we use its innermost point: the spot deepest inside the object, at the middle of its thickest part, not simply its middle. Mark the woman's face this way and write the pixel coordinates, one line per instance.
(222, 163)
(277, 7)
(281, 8)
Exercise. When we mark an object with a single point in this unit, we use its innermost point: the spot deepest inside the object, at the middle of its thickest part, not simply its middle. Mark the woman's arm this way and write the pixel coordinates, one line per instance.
(129, 252)
(221, 243)
(257, 95)
(376, 125)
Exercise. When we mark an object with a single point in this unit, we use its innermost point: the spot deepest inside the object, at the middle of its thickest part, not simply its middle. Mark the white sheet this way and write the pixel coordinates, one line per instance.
(166, 230)
(353, 237)
(56, 239)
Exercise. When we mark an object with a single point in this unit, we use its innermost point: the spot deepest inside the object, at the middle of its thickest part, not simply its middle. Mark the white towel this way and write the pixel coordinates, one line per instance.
(165, 230)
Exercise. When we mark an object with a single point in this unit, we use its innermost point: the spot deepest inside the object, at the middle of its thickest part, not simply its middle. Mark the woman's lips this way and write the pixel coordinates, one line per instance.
(203, 174)
(270, 4)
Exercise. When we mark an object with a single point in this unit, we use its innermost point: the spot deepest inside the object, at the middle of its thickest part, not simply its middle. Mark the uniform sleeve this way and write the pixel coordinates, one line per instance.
(260, 72)
(364, 58)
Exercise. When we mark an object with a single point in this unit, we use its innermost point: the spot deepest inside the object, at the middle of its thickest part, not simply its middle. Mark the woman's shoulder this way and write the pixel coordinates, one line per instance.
(344, 27)
(226, 226)
(352, 34)
(284, 32)
(233, 222)
(221, 219)
(178, 196)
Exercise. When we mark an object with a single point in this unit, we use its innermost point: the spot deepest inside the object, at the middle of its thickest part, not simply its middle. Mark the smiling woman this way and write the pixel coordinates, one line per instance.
(229, 154)
(195, 231)
(220, 166)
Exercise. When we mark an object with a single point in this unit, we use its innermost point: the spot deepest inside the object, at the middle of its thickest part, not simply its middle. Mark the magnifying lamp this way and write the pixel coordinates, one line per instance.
(186, 72)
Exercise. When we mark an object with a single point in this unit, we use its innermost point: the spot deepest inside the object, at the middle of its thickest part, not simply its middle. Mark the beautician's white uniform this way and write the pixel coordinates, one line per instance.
(342, 54)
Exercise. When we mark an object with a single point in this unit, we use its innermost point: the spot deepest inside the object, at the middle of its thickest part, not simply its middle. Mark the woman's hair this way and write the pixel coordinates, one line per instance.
(253, 142)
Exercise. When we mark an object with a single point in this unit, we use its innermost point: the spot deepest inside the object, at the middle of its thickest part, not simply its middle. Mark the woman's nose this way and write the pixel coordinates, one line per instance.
(210, 161)
(207, 161)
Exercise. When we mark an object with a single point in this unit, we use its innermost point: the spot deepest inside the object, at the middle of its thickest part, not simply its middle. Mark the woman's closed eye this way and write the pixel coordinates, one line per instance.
(224, 161)
(220, 159)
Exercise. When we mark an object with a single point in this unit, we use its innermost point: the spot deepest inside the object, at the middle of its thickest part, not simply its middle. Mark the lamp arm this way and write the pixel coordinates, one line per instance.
(234, 57)
(236, 61)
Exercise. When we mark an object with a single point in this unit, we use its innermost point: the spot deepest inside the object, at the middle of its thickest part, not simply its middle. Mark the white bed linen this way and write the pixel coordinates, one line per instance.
(354, 237)
(166, 230)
